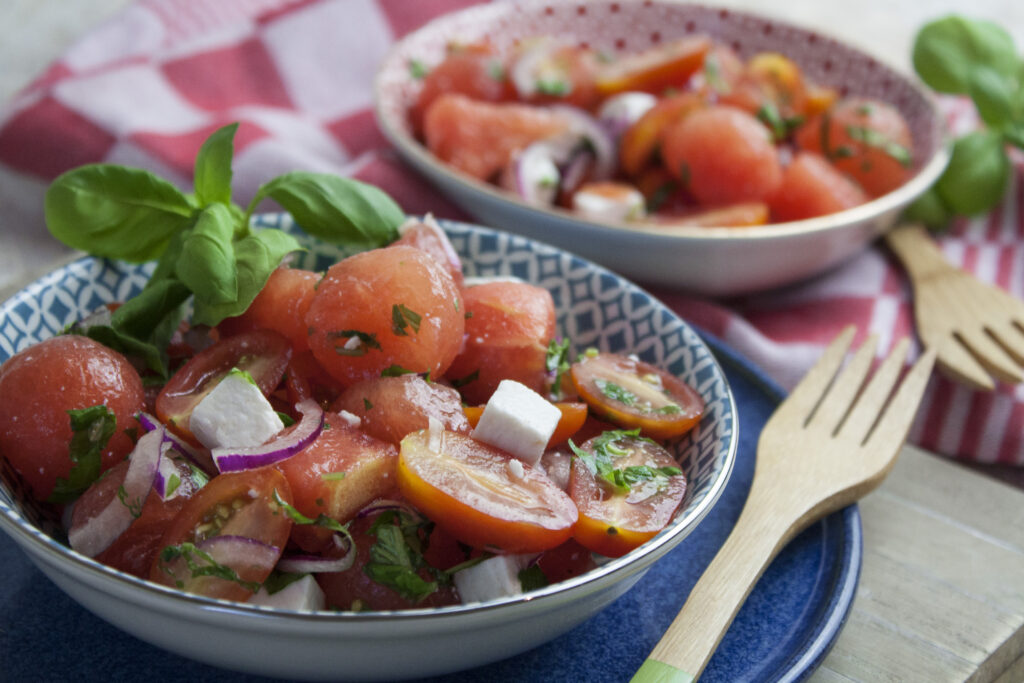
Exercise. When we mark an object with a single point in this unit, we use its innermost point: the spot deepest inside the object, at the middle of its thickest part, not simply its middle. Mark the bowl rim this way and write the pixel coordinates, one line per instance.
(928, 172)
(34, 540)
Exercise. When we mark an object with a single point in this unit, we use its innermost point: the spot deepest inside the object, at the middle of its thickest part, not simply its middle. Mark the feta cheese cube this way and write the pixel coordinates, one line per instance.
(235, 414)
(495, 577)
(304, 594)
(519, 420)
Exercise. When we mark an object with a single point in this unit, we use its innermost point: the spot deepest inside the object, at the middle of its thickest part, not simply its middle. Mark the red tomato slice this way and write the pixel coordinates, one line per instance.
(237, 505)
(264, 354)
(631, 393)
(612, 522)
(469, 489)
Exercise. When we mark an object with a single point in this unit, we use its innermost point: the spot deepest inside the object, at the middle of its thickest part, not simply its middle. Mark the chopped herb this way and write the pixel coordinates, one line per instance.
(660, 196)
(173, 482)
(238, 372)
(402, 317)
(557, 363)
(417, 69)
(496, 70)
(469, 314)
(463, 381)
(395, 371)
(616, 392)
(713, 74)
(286, 419)
(532, 578)
(872, 138)
(333, 476)
(134, 506)
(189, 552)
(780, 126)
(368, 341)
(91, 430)
(605, 449)
(367, 405)
(555, 87)
(321, 519)
(278, 581)
(396, 557)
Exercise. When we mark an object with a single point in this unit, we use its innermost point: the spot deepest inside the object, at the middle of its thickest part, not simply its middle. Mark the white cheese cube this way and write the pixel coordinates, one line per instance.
(304, 594)
(518, 420)
(235, 414)
(495, 577)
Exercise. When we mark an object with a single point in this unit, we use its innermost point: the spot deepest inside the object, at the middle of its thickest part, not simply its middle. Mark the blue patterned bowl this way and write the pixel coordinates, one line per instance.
(594, 308)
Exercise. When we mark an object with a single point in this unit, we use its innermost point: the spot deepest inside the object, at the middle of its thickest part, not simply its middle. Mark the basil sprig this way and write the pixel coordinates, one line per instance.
(964, 56)
(203, 242)
(91, 429)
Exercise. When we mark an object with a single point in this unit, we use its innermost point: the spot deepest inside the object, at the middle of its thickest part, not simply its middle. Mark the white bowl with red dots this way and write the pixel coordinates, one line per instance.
(716, 261)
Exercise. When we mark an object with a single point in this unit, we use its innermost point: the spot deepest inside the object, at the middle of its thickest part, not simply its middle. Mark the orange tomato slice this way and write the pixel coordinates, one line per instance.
(482, 496)
(655, 69)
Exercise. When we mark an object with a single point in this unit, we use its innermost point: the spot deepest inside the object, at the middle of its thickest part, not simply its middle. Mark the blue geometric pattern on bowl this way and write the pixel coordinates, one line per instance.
(595, 308)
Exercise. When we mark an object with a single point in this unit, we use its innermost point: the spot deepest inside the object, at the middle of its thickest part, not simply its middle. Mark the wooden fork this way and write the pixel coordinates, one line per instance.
(830, 442)
(976, 328)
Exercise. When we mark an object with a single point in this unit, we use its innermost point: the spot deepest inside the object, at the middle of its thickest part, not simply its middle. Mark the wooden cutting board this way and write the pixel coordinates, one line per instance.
(941, 592)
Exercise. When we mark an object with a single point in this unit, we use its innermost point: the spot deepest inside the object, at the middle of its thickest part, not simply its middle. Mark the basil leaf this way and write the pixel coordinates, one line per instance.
(392, 564)
(977, 175)
(992, 95)
(144, 324)
(91, 430)
(207, 261)
(947, 50)
(256, 257)
(929, 209)
(115, 211)
(213, 167)
(335, 209)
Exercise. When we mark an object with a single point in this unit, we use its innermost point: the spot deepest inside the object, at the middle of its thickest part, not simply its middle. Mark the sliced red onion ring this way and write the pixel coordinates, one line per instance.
(588, 131)
(314, 564)
(533, 175)
(99, 531)
(281, 448)
(198, 457)
(384, 504)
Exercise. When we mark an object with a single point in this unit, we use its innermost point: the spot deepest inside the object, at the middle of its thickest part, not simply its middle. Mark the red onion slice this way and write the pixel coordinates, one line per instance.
(198, 457)
(281, 448)
(315, 564)
(587, 130)
(99, 531)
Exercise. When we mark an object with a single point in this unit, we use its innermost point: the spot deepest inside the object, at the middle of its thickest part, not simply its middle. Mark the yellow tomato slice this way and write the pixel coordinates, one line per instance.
(481, 495)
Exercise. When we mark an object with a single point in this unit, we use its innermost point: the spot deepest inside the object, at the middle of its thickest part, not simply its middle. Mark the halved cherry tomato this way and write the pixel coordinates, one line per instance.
(473, 70)
(264, 354)
(612, 522)
(631, 393)
(241, 505)
(472, 490)
(653, 70)
(574, 414)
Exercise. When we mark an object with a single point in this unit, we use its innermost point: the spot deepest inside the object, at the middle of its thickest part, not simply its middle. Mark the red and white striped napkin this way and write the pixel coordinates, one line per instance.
(147, 87)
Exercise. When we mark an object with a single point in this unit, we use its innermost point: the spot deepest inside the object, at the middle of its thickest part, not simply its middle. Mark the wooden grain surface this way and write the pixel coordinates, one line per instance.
(941, 594)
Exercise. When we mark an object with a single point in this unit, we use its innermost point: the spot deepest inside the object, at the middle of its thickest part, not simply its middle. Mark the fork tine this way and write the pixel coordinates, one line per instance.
(888, 435)
(845, 388)
(991, 355)
(865, 412)
(1011, 338)
(957, 361)
(806, 395)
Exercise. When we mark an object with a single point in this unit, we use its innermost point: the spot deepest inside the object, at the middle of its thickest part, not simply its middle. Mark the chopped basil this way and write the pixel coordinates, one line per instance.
(403, 317)
(872, 138)
(367, 341)
(463, 381)
(333, 476)
(617, 392)
(91, 430)
(417, 69)
(189, 552)
(557, 363)
(286, 419)
(532, 578)
(278, 581)
(395, 371)
(321, 520)
(134, 506)
(238, 372)
(605, 449)
(367, 405)
(555, 87)
(396, 557)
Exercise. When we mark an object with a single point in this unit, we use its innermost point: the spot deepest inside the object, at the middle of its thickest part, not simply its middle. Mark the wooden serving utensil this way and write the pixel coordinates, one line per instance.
(829, 443)
(977, 329)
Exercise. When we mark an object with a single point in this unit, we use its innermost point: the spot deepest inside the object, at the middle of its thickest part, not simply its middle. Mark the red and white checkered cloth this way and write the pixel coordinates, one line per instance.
(147, 87)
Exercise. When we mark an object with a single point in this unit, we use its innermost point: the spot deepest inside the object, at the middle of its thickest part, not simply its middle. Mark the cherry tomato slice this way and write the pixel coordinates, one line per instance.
(631, 393)
(612, 522)
(264, 354)
(472, 491)
(240, 504)
(654, 70)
